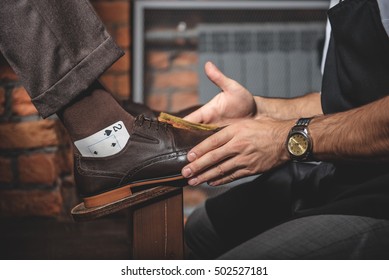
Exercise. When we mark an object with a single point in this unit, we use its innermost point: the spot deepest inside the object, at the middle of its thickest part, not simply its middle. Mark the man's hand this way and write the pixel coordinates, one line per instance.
(234, 102)
(244, 148)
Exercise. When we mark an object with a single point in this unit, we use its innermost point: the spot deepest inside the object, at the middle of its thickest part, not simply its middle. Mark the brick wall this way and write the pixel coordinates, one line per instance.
(116, 16)
(36, 161)
(171, 81)
(35, 156)
(171, 78)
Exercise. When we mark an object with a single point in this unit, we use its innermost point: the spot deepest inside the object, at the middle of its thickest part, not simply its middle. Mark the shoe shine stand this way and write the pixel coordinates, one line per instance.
(156, 214)
(155, 222)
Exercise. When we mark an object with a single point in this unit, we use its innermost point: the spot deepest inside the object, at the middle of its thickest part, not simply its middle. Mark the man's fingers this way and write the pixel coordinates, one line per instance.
(228, 178)
(211, 143)
(216, 76)
(222, 173)
(196, 116)
(222, 170)
(206, 154)
(201, 115)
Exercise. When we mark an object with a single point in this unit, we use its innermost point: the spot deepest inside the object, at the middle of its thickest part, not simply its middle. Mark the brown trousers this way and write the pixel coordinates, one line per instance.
(57, 48)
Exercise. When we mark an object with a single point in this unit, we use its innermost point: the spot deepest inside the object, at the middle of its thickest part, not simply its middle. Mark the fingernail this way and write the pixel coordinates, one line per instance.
(187, 172)
(192, 182)
(191, 156)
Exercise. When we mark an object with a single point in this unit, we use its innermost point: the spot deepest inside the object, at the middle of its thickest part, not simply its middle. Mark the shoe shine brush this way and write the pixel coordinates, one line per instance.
(183, 124)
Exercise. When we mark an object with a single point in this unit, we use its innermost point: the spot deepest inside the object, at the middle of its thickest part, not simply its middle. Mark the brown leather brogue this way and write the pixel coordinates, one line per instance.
(154, 155)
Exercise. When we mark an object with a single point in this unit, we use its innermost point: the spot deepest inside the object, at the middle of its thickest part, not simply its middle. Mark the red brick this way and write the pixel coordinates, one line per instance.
(62, 134)
(68, 182)
(2, 95)
(122, 36)
(69, 195)
(6, 174)
(185, 59)
(183, 100)
(2, 100)
(108, 80)
(123, 64)
(109, 12)
(158, 102)
(21, 102)
(24, 109)
(158, 60)
(176, 79)
(38, 169)
(30, 203)
(117, 84)
(123, 85)
(7, 74)
(20, 95)
(111, 28)
(193, 196)
(32, 134)
(64, 159)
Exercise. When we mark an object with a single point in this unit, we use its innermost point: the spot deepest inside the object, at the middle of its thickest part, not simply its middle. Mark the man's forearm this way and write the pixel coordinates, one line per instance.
(360, 134)
(279, 108)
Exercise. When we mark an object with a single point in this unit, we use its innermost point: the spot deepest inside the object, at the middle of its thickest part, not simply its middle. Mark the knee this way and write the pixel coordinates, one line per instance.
(200, 236)
(192, 226)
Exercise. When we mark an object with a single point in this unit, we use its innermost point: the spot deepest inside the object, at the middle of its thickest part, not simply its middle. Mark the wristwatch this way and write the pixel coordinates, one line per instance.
(299, 142)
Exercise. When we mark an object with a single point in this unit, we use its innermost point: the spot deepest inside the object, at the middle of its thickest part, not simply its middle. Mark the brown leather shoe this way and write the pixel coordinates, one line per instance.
(154, 154)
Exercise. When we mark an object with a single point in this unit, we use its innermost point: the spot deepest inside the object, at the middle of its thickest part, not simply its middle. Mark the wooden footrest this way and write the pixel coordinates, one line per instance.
(80, 213)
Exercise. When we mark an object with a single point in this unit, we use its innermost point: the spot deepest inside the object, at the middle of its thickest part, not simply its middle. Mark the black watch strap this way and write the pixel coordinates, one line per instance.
(303, 121)
(301, 127)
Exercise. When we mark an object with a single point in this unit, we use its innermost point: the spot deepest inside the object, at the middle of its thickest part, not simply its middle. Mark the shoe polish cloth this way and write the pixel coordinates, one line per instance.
(106, 142)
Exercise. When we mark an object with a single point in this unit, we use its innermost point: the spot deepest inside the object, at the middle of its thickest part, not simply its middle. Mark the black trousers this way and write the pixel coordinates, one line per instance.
(300, 211)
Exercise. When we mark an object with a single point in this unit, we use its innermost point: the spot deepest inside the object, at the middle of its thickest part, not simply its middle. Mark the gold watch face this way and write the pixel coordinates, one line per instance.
(297, 144)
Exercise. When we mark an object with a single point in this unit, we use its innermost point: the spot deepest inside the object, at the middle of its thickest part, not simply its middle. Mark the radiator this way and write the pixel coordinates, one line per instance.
(273, 60)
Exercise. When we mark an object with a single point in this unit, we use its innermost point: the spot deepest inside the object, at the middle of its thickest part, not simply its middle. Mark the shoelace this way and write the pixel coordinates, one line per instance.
(141, 120)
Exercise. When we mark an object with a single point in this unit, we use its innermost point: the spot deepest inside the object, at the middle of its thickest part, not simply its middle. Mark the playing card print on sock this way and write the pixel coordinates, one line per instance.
(106, 142)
